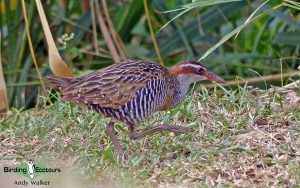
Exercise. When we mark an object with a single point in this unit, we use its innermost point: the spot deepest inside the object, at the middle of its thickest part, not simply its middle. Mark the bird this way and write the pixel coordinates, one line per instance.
(130, 91)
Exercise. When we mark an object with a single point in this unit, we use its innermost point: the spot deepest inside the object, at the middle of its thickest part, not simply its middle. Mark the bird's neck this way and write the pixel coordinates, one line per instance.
(180, 90)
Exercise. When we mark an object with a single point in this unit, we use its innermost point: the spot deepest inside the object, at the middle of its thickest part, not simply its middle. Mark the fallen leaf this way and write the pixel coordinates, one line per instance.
(261, 121)
(293, 98)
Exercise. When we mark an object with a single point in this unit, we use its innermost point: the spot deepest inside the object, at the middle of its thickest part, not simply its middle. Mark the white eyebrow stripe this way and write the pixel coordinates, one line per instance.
(192, 65)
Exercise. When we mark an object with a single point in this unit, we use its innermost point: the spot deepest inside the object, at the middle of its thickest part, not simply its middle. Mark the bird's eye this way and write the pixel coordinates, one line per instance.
(200, 71)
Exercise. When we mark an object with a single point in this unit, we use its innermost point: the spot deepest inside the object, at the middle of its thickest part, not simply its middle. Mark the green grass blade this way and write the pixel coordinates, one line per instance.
(288, 38)
(235, 31)
(174, 18)
(204, 3)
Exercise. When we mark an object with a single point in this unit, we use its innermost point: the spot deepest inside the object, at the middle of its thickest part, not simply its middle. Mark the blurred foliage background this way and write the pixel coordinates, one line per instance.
(267, 46)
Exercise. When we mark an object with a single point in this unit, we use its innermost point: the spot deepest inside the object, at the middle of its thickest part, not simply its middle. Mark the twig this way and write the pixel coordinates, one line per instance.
(106, 35)
(295, 84)
(152, 33)
(85, 5)
(270, 135)
(289, 87)
(255, 79)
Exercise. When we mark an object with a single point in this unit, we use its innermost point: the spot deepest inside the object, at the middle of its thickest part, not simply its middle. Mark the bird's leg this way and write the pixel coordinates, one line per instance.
(160, 128)
(110, 131)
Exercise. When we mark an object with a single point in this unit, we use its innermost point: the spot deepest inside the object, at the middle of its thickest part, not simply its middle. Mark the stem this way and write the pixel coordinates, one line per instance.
(31, 47)
(152, 33)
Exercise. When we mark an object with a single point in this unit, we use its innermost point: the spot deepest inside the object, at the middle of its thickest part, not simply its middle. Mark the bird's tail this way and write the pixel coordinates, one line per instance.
(61, 82)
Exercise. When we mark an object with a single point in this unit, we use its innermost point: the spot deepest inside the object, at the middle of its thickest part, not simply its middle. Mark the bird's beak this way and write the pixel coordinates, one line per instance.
(213, 77)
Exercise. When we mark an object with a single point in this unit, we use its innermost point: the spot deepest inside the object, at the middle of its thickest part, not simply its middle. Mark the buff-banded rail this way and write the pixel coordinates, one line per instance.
(130, 91)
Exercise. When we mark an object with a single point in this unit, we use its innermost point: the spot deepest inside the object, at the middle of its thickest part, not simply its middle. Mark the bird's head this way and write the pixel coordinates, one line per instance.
(192, 71)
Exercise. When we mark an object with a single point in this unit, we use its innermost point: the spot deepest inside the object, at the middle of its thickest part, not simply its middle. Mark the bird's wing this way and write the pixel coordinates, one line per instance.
(114, 86)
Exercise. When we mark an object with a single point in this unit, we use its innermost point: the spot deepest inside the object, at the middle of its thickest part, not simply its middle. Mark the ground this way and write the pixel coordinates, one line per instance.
(240, 137)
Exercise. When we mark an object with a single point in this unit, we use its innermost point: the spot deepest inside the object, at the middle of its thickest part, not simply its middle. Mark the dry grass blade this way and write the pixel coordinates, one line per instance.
(152, 33)
(57, 65)
(31, 46)
(106, 35)
(95, 41)
(119, 43)
(3, 92)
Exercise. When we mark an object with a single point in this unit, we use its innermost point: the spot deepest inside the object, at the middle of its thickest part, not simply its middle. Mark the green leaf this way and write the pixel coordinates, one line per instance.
(210, 19)
(236, 31)
(288, 38)
(130, 18)
(203, 3)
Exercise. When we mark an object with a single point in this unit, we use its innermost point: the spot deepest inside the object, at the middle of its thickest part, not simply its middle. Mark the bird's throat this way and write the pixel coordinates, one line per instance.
(180, 91)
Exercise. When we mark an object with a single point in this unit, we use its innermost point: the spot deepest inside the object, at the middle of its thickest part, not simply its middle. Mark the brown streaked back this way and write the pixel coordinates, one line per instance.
(111, 87)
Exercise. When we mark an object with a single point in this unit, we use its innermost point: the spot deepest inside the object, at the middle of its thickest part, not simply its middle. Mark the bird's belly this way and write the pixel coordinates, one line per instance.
(144, 104)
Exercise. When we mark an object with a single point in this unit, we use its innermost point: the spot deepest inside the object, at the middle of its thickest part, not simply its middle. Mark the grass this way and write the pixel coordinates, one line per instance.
(196, 29)
(240, 137)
